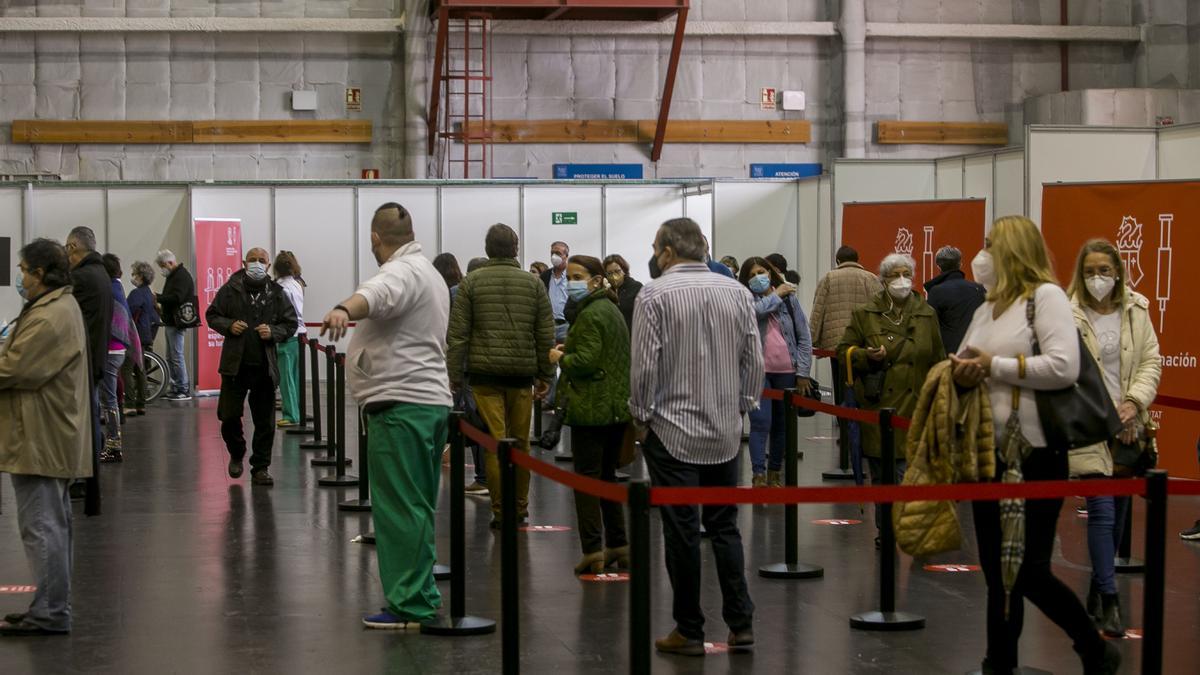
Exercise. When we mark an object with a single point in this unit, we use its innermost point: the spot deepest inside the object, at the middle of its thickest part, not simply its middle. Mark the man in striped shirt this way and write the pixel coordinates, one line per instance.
(697, 367)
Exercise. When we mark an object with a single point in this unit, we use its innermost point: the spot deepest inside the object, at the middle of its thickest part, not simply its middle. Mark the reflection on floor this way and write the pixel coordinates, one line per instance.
(190, 572)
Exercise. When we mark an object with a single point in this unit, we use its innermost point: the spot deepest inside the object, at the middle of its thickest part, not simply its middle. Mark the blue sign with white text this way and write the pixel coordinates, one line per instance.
(598, 171)
(784, 170)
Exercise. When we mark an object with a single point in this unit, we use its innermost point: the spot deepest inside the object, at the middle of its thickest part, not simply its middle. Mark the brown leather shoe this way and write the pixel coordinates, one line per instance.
(678, 644)
(741, 639)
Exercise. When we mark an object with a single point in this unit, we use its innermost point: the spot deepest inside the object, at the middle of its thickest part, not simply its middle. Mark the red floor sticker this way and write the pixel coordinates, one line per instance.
(716, 648)
(545, 528)
(952, 568)
(17, 589)
(836, 522)
(1130, 634)
(607, 577)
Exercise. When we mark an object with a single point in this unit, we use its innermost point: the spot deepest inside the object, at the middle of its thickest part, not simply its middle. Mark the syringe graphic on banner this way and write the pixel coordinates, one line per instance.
(927, 255)
(1162, 289)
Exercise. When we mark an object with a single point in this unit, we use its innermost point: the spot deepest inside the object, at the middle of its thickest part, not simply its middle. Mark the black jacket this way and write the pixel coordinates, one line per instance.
(233, 303)
(93, 292)
(178, 288)
(626, 298)
(955, 300)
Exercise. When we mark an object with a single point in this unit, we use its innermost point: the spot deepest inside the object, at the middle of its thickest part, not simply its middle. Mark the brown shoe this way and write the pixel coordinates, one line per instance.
(741, 639)
(759, 480)
(591, 563)
(678, 644)
(261, 477)
(774, 479)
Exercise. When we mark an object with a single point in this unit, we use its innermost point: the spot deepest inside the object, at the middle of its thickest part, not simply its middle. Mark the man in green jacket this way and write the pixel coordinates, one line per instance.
(501, 333)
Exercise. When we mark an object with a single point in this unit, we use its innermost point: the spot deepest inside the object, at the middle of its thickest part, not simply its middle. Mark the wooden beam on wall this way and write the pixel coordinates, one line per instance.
(282, 131)
(129, 132)
(640, 131)
(730, 131)
(115, 131)
(897, 132)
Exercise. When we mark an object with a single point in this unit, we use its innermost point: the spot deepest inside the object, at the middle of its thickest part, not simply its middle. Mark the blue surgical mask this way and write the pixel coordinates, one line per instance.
(256, 270)
(577, 290)
(760, 283)
(21, 284)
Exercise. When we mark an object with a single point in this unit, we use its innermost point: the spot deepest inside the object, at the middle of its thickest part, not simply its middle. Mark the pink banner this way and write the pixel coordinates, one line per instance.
(218, 256)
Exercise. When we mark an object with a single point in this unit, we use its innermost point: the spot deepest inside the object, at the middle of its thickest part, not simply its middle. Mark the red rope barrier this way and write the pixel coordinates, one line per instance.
(772, 394)
(1183, 486)
(824, 353)
(1176, 402)
(482, 438)
(596, 488)
(662, 496)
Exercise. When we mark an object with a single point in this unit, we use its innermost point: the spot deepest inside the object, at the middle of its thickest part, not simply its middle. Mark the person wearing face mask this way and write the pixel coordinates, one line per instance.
(1115, 323)
(616, 270)
(891, 343)
(178, 289)
(787, 358)
(555, 279)
(255, 316)
(594, 391)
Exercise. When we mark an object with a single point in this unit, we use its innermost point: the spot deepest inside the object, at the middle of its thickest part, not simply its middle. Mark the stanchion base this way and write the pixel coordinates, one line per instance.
(462, 625)
(368, 538)
(313, 446)
(298, 431)
(325, 461)
(623, 477)
(838, 474)
(888, 621)
(441, 572)
(1129, 565)
(1020, 670)
(355, 505)
(338, 481)
(564, 457)
(786, 571)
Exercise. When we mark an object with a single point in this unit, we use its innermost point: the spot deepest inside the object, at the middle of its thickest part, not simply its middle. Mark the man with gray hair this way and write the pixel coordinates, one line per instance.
(953, 297)
(689, 419)
(179, 292)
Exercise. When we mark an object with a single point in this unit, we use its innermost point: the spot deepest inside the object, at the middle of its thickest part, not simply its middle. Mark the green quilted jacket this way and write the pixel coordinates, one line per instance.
(595, 384)
(500, 324)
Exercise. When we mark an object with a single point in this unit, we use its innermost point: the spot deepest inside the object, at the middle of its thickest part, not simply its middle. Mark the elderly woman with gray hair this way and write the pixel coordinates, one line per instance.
(890, 345)
(145, 318)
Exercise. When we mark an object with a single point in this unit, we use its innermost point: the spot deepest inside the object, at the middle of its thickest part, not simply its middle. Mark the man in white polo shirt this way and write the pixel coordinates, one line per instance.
(396, 368)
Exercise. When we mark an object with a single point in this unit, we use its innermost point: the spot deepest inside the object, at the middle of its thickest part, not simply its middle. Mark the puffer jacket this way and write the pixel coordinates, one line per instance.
(595, 365)
(501, 324)
(952, 440)
(839, 293)
(1141, 370)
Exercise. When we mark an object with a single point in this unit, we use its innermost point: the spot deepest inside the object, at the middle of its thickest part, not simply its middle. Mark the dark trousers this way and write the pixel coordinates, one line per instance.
(134, 377)
(1036, 580)
(596, 451)
(681, 533)
(839, 397)
(256, 383)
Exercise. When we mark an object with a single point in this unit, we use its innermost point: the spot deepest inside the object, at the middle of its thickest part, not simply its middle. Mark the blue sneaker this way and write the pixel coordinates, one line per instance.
(385, 620)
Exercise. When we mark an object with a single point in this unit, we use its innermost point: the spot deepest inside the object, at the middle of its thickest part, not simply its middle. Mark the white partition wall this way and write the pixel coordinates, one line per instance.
(1073, 154)
(632, 216)
(12, 218)
(757, 219)
(253, 205)
(567, 213)
(978, 180)
(858, 180)
(1179, 152)
(469, 210)
(421, 202)
(949, 174)
(699, 207)
(57, 210)
(1008, 185)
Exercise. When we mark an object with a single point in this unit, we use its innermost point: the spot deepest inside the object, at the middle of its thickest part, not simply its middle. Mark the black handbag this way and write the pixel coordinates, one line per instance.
(1079, 415)
(814, 393)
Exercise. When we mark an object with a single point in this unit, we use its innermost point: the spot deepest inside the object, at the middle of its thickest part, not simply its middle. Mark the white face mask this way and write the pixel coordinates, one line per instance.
(983, 268)
(1100, 286)
(900, 287)
(556, 261)
(256, 270)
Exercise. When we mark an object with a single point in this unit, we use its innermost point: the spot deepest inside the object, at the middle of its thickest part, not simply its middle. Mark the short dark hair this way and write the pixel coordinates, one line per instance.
(846, 254)
(684, 237)
(475, 263)
(562, 244)
(112, 264)
(501, 242)
(447, 266)
(396, 232)
(615, 258)
(50, 257)
(778, 261)
(84, 236)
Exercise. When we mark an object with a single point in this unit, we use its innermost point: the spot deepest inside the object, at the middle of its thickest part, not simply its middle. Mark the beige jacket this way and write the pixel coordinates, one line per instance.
(843, 290)
(45, 406)
(1141, 370)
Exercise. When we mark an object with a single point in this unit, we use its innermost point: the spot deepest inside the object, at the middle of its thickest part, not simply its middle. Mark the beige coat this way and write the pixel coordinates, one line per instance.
(843, 290)
(1141, 369)
(45, 406)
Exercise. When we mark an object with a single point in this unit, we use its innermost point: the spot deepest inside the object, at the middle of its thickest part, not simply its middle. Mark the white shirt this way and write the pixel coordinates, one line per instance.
(294, 292)
(1107, 328)
(398, 352)
(1007, 336)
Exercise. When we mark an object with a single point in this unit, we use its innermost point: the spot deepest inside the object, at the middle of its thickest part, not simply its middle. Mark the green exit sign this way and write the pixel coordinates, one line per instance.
(565, 218)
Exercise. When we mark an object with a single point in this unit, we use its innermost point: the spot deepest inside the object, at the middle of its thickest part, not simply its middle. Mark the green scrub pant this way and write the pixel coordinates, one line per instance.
(405, 455)
(287, 354)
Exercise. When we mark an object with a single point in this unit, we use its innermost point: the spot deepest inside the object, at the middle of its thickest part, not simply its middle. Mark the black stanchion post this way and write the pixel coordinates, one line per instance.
(363, 503)
(887, 618)
(302, 372)
(1125, 562)
(791, 567)
(509, 588)
(537, 420)
(330, 458)
(639, 578)
(339, 478)
(1154, 587)
(317, 443)
(843, 471)
(458, 623)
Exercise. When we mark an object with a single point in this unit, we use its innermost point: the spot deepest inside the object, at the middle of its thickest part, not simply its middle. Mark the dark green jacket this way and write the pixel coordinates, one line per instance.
(913, 347)
(594, 388)
(501, 325)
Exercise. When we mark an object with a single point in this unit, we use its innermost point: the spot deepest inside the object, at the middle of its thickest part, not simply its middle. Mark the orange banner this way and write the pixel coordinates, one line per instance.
(919, 229)
(1156, 228)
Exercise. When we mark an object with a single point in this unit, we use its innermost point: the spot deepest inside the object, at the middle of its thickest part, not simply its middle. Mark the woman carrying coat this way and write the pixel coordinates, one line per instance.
(1115, 323)
(891, 343)
(594, 394)
(787, 356)
(46, 440)
(1015, 269)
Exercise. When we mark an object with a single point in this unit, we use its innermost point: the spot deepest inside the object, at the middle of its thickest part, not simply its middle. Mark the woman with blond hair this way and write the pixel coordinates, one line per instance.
(1025, 303)
(1115, 323)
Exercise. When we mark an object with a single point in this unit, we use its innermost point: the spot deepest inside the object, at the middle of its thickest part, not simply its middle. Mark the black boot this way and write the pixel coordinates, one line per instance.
(1093, 603)
(1110, 621)
(1103, 660)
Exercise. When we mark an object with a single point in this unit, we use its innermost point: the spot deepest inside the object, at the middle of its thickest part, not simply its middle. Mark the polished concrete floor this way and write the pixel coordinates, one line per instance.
(188, 571)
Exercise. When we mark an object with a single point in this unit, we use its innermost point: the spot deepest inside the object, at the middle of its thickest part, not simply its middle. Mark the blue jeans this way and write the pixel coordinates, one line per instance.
(768, 422)
(1106, 523)
(179, 373)
(44, 518)
(108, 400)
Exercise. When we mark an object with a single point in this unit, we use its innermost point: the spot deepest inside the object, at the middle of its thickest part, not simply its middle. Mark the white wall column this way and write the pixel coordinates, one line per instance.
(853, 27)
